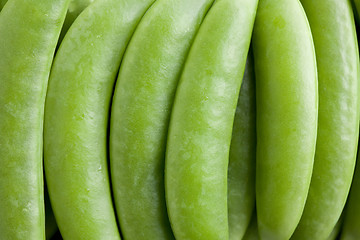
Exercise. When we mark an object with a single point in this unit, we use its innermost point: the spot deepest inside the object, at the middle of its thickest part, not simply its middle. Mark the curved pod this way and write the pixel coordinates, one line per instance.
(287, 109)
(333, 30)
(29, 30)
(76, 118)
(201, 122)
(141, 109)
(75, 8)
(241, 172)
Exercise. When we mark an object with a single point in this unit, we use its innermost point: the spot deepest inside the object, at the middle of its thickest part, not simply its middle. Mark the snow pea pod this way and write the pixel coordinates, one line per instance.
(201, 122)
(333, 30)
(75, 8)
(29, 30)
(351, 225)
(141, 110)
(287, 109)
(241, 172)
(76, 118)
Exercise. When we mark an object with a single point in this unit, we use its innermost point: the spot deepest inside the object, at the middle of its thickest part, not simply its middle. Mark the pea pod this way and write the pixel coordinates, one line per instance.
(338, 126)
(75, 8)
(141, 110)
(287, 109)
(241, 172)
(351, 225)
(202, 118)
(29, 30)
(76, 118)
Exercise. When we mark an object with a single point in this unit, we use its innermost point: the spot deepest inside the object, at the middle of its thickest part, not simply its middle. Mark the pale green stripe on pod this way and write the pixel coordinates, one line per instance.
(141, 109)
(351, 225)
(77, 114)
(287, 109)
(241, 172)
(29, 30)
(333, 30)
(202, 119)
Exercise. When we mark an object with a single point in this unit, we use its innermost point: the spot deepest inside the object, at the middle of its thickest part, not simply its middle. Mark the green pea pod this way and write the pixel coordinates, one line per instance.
(76, 118)
(351, 225)
(333, 30)
(75, 8)
(287, 110)
(29, 30)
(141, 109)
(50, 222)
(252, 232)
(201, 124)
(241, 172)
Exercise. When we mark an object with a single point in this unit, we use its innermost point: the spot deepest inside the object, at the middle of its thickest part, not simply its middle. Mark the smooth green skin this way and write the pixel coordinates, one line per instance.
(75, 8)
(29, 30)
(50, 222)
(202, 119)
(141, 110)
(351, 225)
(287, 109)
(76, 118)
(333, 29)
(241, 172)
(252, 232)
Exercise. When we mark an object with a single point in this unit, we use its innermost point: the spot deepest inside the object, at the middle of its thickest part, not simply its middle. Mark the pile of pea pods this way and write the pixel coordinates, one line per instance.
(179, 119)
